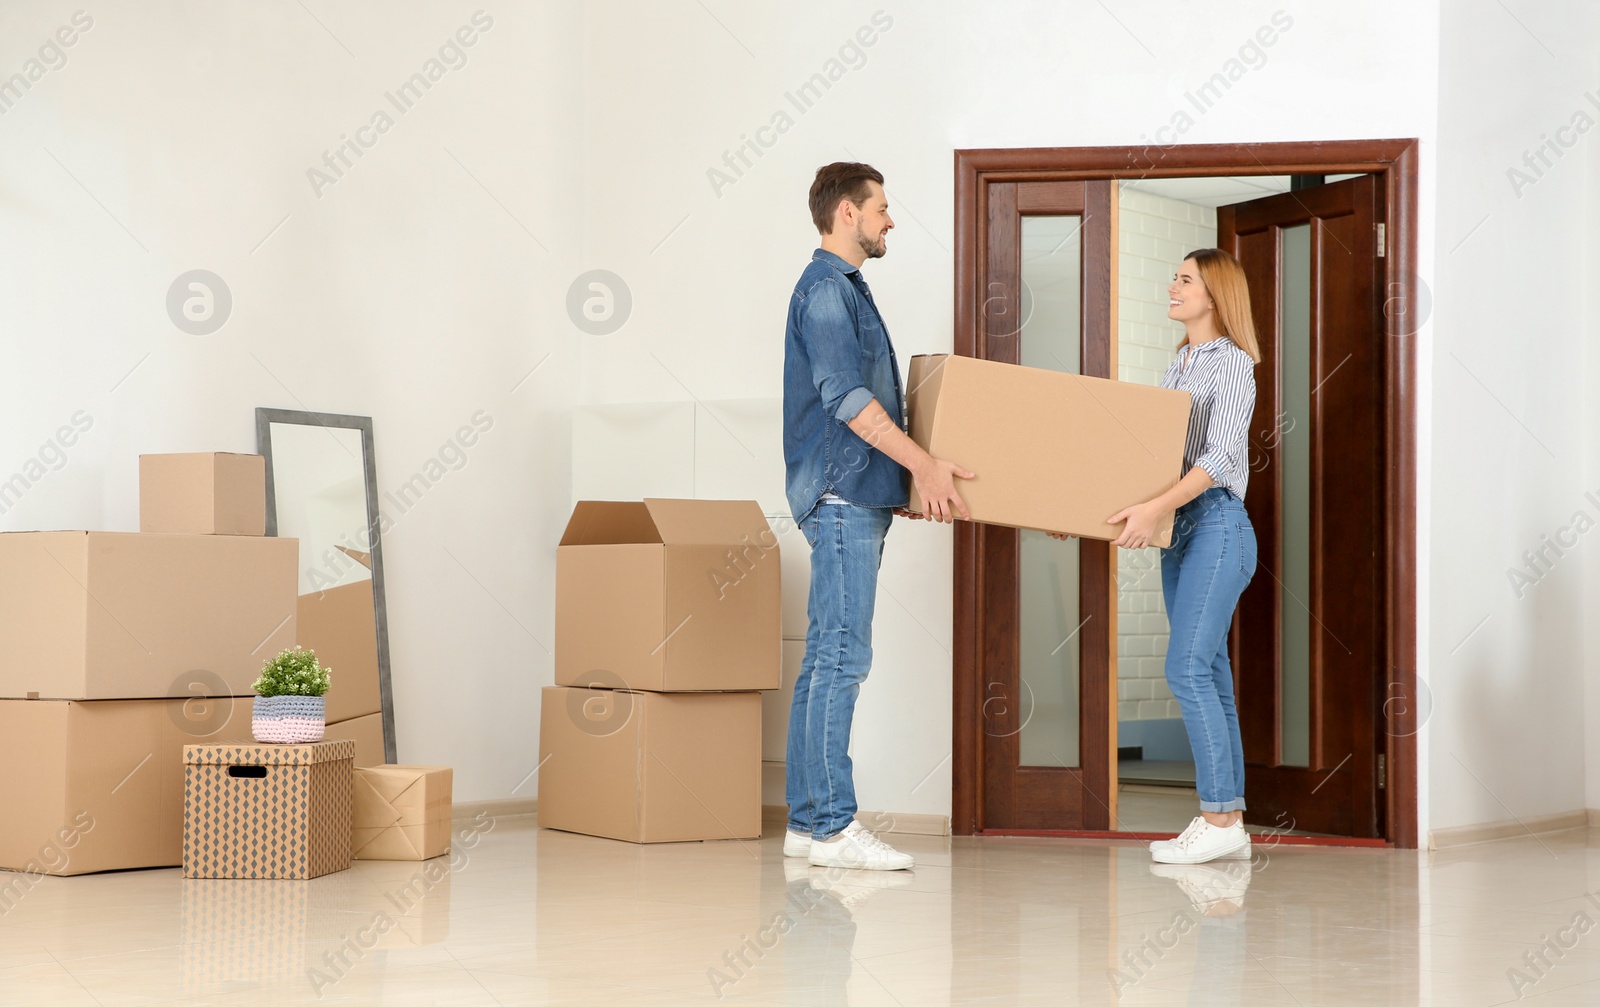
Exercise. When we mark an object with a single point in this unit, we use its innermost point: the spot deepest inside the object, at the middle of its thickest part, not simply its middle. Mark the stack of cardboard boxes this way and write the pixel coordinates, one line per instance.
(120, 648)
(667, 625)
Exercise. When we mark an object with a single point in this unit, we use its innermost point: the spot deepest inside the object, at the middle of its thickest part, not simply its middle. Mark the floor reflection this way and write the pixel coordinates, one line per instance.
(529, 916)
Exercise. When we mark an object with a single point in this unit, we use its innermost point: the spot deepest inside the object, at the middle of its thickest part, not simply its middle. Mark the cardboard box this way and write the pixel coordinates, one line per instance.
(341, 625)
(212, 493)
(650, 767)
(98, 786)
(1052, 451)
(266, 811)
(401, 813)
(366, 732)
(120, 615)
(668, 596)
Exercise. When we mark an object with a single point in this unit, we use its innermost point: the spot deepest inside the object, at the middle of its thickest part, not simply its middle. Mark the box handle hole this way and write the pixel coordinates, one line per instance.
(248, 772)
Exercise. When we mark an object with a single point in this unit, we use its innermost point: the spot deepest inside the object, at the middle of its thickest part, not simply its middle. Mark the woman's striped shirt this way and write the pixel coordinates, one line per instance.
(1221, 381)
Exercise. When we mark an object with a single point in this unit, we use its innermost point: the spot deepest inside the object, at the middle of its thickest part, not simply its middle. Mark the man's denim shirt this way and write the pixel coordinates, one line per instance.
(836, 359)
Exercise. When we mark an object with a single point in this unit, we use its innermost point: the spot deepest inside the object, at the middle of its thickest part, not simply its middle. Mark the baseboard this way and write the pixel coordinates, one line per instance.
(509, 807)
(1488, 832)
(775, 816)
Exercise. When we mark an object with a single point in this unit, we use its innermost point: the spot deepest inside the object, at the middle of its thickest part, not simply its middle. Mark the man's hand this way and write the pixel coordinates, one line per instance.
(1063, 536)
(907, 512)
(933, 479)
(934, 483)
(1142, 520)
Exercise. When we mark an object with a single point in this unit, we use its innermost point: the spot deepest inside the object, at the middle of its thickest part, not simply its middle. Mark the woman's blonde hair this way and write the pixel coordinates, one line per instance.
(1225, 282)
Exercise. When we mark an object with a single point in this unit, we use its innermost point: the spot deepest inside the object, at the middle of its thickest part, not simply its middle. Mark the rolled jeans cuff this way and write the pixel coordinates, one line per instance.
(1222, 807)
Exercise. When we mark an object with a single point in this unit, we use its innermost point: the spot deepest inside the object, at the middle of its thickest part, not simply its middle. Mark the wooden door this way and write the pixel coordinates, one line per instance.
(1309, 639)
(1023, 790)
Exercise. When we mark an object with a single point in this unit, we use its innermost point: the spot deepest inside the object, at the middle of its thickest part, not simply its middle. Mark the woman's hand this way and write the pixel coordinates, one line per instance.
(1063, 536)
(1141, 524)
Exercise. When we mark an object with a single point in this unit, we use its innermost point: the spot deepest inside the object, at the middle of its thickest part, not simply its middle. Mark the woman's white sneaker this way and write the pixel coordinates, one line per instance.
(1202, 842)
(795, 844)
(1161, 844)
(1242, 853)
(857, 849)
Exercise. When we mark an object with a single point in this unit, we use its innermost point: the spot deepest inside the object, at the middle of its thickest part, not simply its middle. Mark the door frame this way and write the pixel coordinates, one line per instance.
(1395, 161)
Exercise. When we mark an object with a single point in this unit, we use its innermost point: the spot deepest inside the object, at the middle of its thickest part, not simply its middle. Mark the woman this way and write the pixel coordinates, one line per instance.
(1213, 551)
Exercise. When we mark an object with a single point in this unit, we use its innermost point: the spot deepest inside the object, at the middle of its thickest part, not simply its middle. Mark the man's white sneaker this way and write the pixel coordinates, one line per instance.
(852, 888)
(795, 844)
(1202, 842)
(858, 849)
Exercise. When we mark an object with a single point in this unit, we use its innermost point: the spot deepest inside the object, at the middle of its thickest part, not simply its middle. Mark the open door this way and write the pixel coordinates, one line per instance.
(1047, 684)
(1309, 639)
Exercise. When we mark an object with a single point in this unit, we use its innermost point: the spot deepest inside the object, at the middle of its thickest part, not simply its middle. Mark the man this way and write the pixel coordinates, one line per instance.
(848, 458)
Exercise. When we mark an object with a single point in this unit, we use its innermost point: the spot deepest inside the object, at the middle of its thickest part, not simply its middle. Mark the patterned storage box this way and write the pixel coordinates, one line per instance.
(266, 811)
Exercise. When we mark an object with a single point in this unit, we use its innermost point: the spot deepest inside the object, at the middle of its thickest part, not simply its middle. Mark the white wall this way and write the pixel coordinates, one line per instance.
(1511, 371)
(670, 89)
(405, 293)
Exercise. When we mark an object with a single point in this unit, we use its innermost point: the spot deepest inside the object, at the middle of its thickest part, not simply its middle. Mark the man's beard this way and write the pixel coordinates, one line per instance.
(874, 249)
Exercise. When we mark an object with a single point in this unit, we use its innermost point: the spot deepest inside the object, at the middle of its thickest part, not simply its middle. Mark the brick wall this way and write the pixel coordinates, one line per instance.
(1156, 233)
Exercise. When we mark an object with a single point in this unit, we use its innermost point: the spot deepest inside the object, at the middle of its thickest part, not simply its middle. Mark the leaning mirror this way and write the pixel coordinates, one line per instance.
(322, 488)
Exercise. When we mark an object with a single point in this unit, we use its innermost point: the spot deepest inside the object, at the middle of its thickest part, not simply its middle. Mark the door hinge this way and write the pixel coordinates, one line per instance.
(1382, 236)
(1383, 767)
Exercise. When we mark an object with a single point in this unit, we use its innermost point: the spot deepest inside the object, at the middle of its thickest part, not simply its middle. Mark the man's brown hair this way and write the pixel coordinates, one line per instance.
(836, 181)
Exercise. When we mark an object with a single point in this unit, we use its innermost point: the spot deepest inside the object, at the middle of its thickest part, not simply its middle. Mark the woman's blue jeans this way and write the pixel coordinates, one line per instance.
(846, 551)
(1211, 559)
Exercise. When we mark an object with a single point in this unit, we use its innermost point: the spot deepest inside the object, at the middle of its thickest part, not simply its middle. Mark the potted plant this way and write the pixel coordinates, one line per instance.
(289, 705)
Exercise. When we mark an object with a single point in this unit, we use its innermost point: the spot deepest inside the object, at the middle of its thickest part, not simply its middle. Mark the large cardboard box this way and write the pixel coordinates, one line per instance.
(366, 732)
(122, 615)
(650, 767)
(266, 811)
(401, 813)
(98, 786)
(668, 596)
(339, 623)
(211, 493)
(1052, 451)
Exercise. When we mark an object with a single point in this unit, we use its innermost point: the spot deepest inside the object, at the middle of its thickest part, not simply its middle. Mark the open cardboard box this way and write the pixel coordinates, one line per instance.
(669, 596)
(1051, 451)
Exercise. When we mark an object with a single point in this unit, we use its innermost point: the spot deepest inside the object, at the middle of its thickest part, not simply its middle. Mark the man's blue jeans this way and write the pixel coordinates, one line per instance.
(846, 550)
(1211, 559)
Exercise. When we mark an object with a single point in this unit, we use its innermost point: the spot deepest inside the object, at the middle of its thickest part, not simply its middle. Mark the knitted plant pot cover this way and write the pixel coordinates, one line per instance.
(288, 720)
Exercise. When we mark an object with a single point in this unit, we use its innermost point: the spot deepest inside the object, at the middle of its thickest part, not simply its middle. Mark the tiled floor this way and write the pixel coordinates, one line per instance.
(536, 917)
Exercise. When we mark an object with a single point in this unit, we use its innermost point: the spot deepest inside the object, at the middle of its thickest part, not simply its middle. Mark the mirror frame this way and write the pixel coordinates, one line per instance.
(265, 417)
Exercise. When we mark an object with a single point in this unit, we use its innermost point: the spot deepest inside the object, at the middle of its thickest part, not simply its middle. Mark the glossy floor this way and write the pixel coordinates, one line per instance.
(526, 916)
